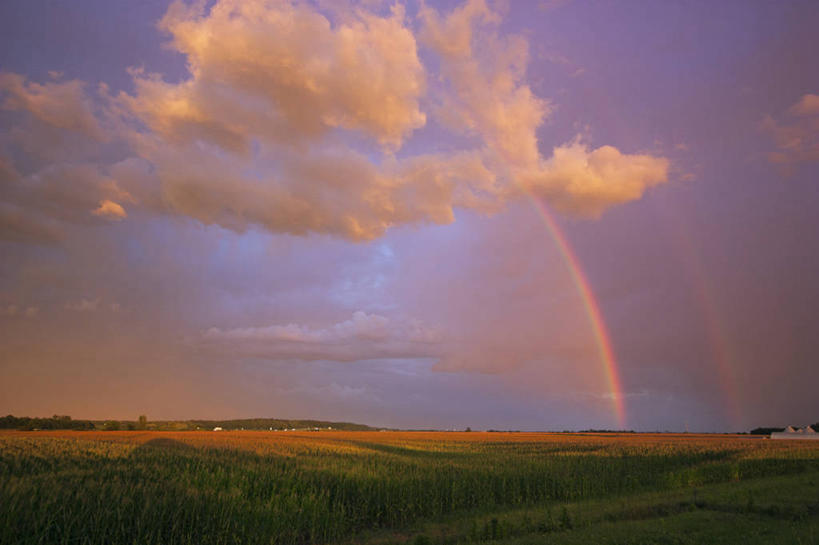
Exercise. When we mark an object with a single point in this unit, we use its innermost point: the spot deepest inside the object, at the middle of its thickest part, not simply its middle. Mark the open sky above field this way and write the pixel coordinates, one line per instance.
(531, 215)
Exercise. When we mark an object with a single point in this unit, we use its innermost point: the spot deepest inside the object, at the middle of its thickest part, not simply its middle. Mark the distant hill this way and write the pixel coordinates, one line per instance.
(63, 422)
(264, 424)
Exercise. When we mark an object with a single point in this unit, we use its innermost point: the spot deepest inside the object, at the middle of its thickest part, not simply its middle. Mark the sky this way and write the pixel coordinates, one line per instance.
(515, 215)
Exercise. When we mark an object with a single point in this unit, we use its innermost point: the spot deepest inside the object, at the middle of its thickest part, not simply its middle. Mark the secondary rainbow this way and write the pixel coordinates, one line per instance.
(601, 335)
(719, 341)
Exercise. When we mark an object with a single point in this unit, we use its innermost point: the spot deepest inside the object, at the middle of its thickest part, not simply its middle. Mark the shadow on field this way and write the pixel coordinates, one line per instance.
(518, 450)
(407, 451)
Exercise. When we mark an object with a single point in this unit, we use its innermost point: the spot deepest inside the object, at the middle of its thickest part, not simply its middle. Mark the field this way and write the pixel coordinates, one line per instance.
(405, 487)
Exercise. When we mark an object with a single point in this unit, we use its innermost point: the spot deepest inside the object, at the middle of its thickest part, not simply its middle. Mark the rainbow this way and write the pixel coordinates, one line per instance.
(601, 335)
(719, 343)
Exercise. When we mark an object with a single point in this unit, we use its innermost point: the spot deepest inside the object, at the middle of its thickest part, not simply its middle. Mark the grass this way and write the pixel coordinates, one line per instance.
(781, 509)
(394, 487)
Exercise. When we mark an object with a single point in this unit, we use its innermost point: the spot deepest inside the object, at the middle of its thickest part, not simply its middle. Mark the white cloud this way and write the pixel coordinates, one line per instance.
(110, 209)
(266, 85)
(282, 70)
(485, 91)
(292, 119)
(487, 94)
(586, 182)
(363, 336)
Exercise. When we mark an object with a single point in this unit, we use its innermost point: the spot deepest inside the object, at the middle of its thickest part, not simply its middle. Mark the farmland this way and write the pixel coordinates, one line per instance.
(404, 487)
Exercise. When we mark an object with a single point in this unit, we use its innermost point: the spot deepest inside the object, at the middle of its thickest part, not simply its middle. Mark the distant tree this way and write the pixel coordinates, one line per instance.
(56, 422)
(111, 425)
(468, 429)
(142, 424)
(765, 431)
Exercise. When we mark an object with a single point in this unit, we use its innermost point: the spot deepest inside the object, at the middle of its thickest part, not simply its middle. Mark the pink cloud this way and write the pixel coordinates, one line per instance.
(63, 105)
(111, 210)
(795, 134)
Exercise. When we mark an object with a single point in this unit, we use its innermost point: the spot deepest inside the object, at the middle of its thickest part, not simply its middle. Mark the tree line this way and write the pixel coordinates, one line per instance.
(65, 422)
(56, 422)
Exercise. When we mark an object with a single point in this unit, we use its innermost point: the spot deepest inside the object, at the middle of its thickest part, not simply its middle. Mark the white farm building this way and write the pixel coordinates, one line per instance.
(796, 433)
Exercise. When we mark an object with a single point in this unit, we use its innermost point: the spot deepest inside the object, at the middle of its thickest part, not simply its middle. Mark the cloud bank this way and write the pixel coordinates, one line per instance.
(296, 120)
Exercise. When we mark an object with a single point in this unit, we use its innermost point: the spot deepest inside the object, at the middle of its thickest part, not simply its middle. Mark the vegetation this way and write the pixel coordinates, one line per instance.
(60, 422)
(270, 423)
(401, 487)
(768, 431)
(56, 422)
(765, 431)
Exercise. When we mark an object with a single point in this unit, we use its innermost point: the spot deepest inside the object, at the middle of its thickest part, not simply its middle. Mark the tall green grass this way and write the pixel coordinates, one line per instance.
(166, 491)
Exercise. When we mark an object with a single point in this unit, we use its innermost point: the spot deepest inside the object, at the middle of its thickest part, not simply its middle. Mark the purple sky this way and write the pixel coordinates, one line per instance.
(324, 210)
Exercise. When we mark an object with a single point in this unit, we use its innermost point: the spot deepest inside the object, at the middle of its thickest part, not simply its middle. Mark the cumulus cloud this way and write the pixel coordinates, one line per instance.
(52, 170)
(60, 192)
(364, 336)
(110, 209)
(283, 70)
(340, 193)
(487, 95)
(485, 91)
(293, 118)
(64, 105)
(807, 105)
(796, 133)
(586, 182)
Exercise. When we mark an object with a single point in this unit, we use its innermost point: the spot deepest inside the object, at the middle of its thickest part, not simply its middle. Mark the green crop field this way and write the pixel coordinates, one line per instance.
(404, 487)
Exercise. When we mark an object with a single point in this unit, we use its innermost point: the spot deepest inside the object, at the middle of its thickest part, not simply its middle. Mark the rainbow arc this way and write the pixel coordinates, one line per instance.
(592, 309)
